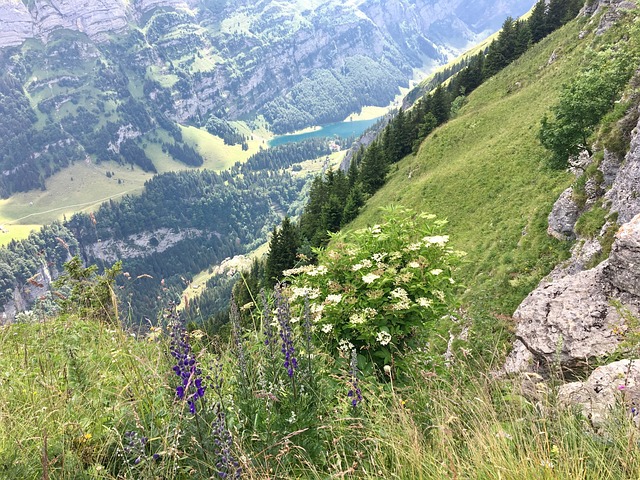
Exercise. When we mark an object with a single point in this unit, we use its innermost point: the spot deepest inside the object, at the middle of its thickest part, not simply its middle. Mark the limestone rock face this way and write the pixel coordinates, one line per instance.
(625, 191)
(623, 269)
(612, 11)
(569, 321)
(563, 216)
(25, 295)
(96, 18)
(610, 385)
(16, 24)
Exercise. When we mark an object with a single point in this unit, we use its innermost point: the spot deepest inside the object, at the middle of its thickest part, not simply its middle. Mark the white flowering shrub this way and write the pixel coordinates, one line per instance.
(378, 290)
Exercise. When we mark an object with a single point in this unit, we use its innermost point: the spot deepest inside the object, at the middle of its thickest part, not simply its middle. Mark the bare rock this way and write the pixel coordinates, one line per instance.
(15, 24)
(615, 384)
(612, 9)
(578, 165)
(520, 359)
(563, 216)
(609, 166)
(623, 269)
(624, 194)
(582, 254)
(570, 321)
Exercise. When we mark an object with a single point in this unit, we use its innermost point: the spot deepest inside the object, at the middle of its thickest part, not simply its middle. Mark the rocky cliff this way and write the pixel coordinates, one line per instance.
(581, 312)
(96, 18)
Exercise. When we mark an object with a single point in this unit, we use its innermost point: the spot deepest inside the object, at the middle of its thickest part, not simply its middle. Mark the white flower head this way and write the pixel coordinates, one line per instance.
(378, 257)
(356, 267)
(370, 278)
(337, 298)
(414, 246)
(437, 240)
(345, 345)
(424, 302)
(327, 328)
(376, 230)
(319, 270)
(383, 338)
(414, 265)
(436, 271)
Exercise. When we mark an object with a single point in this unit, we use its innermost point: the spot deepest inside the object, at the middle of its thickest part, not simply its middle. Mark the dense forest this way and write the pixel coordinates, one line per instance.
(210, 215)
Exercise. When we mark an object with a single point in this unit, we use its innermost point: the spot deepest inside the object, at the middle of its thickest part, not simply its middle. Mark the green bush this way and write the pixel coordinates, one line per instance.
(379, 291)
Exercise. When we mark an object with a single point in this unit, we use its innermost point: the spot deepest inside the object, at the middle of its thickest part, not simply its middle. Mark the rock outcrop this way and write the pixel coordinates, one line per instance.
(569, 321)
(624, 194)
(96, 18)
(612, 11)
(24, 296)
(16, 24)
(563, 217)
(141, 244)
(609, 386)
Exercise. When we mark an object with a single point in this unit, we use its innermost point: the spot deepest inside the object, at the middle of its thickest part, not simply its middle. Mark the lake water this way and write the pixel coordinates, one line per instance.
(340, 129)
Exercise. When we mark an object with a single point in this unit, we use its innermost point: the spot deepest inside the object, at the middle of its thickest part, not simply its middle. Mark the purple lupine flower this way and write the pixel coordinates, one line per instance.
(226, 466)
(286, 332)
(191, 385)
(135, 447)
(355, 394)
(236, 332)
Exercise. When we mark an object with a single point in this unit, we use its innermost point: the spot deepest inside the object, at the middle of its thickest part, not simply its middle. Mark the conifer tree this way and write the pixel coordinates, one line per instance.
(538, 22)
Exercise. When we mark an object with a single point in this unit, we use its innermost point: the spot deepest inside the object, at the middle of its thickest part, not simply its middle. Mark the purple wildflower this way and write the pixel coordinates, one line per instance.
(236, 331)
(286, 332)
(355, 394)
(135, 446)
(226, 466)
(191, 386)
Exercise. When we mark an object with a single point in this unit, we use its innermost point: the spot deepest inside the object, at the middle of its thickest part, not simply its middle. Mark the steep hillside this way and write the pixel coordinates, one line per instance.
(486, 172)
(364, 366)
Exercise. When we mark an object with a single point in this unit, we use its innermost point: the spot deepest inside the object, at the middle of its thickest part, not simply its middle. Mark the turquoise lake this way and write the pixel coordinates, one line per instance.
(340, 129)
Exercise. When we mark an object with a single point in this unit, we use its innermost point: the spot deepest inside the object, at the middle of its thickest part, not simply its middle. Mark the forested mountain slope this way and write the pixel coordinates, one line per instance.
(105, 80)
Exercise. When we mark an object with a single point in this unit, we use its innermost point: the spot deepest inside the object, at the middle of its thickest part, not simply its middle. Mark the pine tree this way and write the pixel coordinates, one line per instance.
(538, 22)
(374, 168)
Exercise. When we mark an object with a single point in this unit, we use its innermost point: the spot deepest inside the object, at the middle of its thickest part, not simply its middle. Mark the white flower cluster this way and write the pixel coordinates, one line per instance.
(383, 338)
(298, 270)
(361, 317)
(345, 345)
(327, 328)
(319, 270)
(378, 257)
(424, 302)
(302, 292)
(334, 298)
(436, 271)
(437, 240)
(370, 278)
(404, 302)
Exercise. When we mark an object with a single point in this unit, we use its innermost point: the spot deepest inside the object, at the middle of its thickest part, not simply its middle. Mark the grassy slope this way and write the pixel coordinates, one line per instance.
(485, 172)
(74, 382)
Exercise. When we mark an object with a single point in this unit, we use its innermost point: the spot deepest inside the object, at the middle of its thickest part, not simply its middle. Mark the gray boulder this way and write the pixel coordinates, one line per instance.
(571, 320)
(623, 270)
(563, 216)
(616, 384)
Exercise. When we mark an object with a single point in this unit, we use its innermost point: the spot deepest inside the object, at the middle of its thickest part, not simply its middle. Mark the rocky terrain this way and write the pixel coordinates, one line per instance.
(586, 310)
